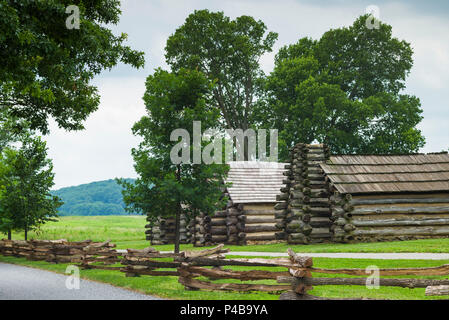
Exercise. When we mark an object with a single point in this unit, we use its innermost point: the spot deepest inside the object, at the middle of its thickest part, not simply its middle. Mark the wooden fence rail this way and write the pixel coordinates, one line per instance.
(198, 266)
(301, 280)
(55, 251)
(197, 270)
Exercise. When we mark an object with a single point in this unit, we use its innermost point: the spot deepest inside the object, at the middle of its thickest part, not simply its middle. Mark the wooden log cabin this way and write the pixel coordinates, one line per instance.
(364, 197)
(249, 215)
(394, 197)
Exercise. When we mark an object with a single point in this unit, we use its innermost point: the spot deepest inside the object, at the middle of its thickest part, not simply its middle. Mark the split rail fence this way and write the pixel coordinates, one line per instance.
(198, 270)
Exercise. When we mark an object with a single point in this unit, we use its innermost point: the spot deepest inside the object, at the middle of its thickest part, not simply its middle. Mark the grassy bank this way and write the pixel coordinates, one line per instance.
(128, 232)
(169, 288)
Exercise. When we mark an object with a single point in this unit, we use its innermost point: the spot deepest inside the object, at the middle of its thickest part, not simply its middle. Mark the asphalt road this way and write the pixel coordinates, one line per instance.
(23, 283)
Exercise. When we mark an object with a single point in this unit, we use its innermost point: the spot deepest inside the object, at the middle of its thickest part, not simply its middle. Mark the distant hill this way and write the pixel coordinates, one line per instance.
(101, 198)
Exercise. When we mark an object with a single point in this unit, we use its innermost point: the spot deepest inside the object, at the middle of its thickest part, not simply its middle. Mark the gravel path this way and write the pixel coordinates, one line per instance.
(23, 283)
(350, 255)
(390, 256)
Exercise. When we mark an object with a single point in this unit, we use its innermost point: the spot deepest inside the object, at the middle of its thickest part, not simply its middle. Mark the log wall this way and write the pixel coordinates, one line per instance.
(395, 217)
(259, 223)
(225, 226)
(237, 224)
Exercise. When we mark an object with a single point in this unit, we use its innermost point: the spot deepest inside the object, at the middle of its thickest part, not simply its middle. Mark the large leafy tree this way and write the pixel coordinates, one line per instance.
(344, 90)
(227, 52)
(26, 178)
(164, 187)
(46, 68)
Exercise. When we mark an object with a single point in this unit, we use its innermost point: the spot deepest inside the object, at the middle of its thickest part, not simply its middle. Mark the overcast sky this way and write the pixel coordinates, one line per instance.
(103, 150)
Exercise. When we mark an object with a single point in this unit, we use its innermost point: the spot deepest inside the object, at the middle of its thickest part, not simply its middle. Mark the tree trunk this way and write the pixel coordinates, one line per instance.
(9, 235)
(246, 149)
(26, 234)
(178, 216)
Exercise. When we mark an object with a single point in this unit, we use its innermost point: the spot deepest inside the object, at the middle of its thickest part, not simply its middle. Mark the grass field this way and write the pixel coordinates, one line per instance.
(128, 232)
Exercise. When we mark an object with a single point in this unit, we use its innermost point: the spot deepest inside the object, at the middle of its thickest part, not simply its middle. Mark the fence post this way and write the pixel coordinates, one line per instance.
(300, 277)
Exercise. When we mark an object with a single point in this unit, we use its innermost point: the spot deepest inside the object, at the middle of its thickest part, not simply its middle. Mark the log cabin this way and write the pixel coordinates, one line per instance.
(364, 197)
(249, 215)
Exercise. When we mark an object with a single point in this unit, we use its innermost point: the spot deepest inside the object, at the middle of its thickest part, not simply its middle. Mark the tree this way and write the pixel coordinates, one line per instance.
(26, 179)
(167, 188)
(46, 67)
(11, 129)
(227, 52)
(344, 90)
(6, 223)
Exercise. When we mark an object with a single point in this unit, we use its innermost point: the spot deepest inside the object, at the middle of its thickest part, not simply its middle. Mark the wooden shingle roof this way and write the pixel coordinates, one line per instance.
(388, 173)
(255, 182)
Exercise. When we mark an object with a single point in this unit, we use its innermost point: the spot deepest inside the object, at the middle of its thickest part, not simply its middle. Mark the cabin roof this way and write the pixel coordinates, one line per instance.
(255, 181)
(388, 173)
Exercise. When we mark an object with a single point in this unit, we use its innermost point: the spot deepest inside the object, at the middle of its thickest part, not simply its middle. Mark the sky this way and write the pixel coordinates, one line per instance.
(103, 150)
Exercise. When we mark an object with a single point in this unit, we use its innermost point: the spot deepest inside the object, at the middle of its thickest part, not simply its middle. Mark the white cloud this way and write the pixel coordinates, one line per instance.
(103, 150)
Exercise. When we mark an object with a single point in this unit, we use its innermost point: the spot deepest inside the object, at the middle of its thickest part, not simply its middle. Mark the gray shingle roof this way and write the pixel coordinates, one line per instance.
(255, 182)
(388, 174)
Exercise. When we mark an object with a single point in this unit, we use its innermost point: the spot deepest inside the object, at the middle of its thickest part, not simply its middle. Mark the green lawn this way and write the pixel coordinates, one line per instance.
(128, 232)
(168, 287)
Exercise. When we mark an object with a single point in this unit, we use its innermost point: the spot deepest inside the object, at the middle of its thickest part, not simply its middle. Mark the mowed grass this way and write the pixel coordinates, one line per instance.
(129, 232)
(169, 288)
(96, 228)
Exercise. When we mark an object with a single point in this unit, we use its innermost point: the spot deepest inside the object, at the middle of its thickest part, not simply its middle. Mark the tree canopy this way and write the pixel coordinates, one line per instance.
(47, 68)
(228, 53)
(165, 188)
(344, 90)
(26, 178)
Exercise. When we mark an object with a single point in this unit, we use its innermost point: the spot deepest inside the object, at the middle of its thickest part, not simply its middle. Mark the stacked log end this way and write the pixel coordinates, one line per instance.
(235, 223)
(304, 209)
(282, 211)
(162, 230)
(199, 227)
(225, 226)
(342, 227)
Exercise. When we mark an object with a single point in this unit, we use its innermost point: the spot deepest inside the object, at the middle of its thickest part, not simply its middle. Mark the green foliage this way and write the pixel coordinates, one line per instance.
(344, 90)
(26, 179)
(173, 101)
(93, 199)
(46, 68)
(228, 53)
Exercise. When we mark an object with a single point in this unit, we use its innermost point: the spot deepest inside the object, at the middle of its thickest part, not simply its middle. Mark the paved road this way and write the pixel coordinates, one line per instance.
(23, 283)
